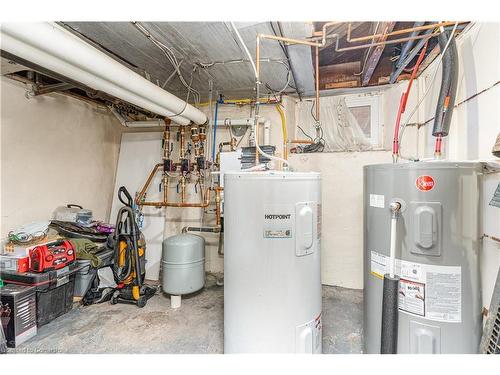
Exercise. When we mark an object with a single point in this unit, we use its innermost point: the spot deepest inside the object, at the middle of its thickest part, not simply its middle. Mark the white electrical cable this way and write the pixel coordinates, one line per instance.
(244, 47)
(428, 88)
(170, 55)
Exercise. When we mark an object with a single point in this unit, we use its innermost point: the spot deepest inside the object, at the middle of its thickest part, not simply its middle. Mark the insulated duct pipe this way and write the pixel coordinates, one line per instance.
(448, 91)
(54, 48)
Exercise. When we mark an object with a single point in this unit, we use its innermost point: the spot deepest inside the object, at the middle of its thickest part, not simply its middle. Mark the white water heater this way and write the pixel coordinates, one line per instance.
(272, 284)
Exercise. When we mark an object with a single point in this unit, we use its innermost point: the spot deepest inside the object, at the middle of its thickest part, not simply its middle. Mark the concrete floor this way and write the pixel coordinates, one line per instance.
(197, 327)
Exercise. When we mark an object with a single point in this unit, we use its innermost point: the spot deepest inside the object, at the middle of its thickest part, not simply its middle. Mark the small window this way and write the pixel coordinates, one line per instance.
(366, 111)
(363, 116)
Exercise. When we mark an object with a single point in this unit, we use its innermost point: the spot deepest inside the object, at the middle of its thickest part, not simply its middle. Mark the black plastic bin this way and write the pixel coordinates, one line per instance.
(54, 290)
(87, 274)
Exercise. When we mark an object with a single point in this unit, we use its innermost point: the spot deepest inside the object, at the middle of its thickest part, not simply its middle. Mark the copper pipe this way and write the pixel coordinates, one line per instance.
(393, 41)
(183, 189)
(203, 204)
(303, 141)
(181, 142)
(289, 40)
(140, 197)
(397, 32)
(218, 189)
(166, 141)
(165, 188)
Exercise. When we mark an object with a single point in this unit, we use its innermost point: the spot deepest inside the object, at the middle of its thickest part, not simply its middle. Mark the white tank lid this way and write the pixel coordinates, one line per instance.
(272, 175)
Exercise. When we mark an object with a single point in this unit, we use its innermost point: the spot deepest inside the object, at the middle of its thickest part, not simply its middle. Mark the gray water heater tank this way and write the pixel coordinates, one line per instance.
(437, 252)
(183, 264)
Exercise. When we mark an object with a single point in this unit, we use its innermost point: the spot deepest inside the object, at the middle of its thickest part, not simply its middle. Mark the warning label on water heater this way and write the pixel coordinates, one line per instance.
(278, 220)
(430, 291)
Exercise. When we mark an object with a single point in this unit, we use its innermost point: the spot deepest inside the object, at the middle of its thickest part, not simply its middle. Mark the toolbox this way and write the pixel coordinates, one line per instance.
(54, 290)
(14, 263)
(18, 313)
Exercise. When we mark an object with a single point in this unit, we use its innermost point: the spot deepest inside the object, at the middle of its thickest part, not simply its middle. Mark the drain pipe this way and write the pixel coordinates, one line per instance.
(390, 303)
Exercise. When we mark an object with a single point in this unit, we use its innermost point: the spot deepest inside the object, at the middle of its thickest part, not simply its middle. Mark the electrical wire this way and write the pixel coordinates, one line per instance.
(403, 127)
(170, 55)
(303, 132)
(244, 47)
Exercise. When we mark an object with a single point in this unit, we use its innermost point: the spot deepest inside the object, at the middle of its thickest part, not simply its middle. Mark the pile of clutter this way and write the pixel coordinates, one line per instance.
(45, 266)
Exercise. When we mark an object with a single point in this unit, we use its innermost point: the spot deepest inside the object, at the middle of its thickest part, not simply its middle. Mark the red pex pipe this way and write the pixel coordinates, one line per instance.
(403, 101)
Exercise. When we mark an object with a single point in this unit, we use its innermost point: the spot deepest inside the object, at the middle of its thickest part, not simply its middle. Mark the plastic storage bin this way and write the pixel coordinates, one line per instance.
(87, 274)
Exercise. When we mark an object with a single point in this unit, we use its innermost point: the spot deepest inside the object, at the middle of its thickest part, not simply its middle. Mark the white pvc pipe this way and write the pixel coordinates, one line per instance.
(245, 48)
(235, 122)
(52, 47)
(175, 302)
(267, 132)
(392, 253)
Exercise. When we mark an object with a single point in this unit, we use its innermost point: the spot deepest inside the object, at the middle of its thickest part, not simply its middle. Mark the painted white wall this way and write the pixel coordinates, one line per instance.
(54, 150)
(342, 212)
(139, 153)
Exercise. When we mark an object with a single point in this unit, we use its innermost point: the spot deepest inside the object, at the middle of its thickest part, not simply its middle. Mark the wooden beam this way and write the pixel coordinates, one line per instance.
(339, 75)
(374, 58)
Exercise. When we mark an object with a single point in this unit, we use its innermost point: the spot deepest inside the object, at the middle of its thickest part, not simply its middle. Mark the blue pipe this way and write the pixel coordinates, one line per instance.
(215, 129)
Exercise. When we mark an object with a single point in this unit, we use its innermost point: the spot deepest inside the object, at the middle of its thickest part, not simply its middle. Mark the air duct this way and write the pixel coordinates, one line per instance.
(54, 48)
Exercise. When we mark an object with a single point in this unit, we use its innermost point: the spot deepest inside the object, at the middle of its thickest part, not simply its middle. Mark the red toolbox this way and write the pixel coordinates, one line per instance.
(14, 263)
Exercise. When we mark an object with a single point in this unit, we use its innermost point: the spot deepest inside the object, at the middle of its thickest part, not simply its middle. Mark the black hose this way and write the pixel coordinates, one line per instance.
(390, 311)
(448, 91)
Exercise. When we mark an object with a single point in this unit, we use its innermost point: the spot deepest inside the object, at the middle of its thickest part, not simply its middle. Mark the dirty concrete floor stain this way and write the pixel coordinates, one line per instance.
(197, 327)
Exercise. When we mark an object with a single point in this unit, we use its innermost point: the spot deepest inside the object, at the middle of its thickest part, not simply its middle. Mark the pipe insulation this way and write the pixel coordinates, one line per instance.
(449, 82)
(55, 48)
(390, 307)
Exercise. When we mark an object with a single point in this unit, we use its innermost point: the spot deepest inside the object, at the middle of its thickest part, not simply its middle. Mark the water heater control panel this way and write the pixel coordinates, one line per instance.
(304, 224)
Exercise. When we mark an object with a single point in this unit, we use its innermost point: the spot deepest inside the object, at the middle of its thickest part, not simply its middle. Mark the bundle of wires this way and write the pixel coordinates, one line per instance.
(318, 144)
(29, 234)
(170, 55)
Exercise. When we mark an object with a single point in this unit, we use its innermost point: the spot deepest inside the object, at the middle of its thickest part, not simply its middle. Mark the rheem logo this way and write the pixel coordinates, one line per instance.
(424, 183)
